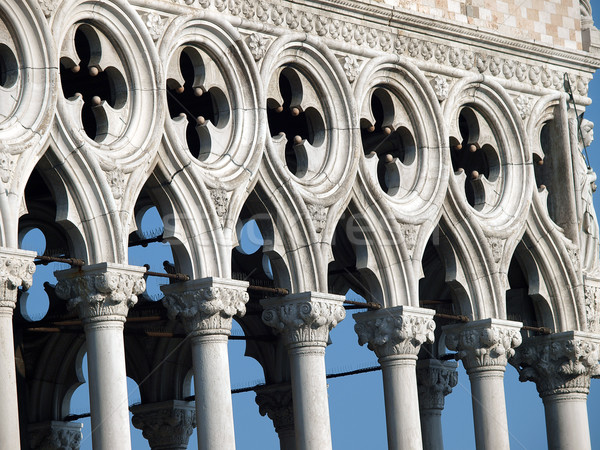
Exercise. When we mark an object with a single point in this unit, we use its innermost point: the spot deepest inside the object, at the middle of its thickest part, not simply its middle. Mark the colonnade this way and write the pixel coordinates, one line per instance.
(561, 365)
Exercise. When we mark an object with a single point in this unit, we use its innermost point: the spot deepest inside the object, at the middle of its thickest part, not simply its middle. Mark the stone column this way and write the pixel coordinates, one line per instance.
(304, 321)
(103, 294)
(206, 307)
(484, 347)
(276, 402)
(16, 269)
(166, 425)
(395, 335)
(561, 366)
(55, 435)
(435, 380)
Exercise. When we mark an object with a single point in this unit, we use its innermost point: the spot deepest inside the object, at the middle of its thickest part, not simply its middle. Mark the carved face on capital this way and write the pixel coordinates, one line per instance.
(587, 131)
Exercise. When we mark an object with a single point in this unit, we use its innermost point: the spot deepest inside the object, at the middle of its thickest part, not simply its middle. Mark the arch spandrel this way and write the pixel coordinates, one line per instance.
(27, 100)
(107, 144)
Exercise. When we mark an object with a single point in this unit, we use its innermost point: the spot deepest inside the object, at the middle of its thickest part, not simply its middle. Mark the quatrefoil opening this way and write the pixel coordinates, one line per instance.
(475, 158)
(198, 104)
(9, 68)
(93, 82)
(388, 141)
(296, 122)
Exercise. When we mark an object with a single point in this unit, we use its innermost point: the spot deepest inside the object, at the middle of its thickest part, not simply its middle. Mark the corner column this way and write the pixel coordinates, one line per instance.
(206, 307)
(166, 425)
(395, 335)
(484, 347)
(561, 365)
(435, 380)
(276, 402)
(103, 294)
(304, 321)
(16, 270)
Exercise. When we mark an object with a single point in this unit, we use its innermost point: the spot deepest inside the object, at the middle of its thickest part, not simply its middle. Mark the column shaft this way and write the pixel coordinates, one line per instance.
(431, 429)
(108, 385)
(214, 410)
(9, 409)
(567, 422)
(489, 409)
(309, 390)
(401, 402)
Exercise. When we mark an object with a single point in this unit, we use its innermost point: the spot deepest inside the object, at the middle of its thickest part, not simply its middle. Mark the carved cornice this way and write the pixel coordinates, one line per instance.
(55, 435)
(378, 27)
(561, 363)
(305, 318)
(276, 402)
(435, 380)
(16, 270)
(101, 292)
(485, 344)
(207, 305)
(166, 425)
(400, 330)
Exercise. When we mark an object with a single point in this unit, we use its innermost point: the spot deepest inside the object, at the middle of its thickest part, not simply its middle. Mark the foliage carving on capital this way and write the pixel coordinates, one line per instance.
(561, 365)
(484, 346)
(434, 382)
(99, 295)
(166, 426)
(207, 310)
(388, 334)
(276, 402)
(304, 321)
(15, 271)
(55, 435)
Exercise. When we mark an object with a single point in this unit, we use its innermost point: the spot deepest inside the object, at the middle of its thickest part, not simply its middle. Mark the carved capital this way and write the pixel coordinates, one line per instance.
(16, 269)
(561, 363)
(206, 305)
(305, 318)
(395, 331)
(276, 402)
(484, 344)
(166, 425)
(435, 380)
(55, 435)
(101, 292)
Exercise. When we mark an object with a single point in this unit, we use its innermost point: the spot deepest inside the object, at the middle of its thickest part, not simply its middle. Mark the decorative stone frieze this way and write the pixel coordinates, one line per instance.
(16, 270)
(207, 305)
(592, 306)
(435, 380)
(561, 363)
(55, 435)
(485, 343)
(399, 330)
(276, 402)
(166, 425)
(305, 318)
(102, 291)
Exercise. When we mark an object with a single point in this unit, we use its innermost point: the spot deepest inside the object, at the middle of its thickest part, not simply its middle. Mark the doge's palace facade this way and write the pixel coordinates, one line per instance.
(429, 155)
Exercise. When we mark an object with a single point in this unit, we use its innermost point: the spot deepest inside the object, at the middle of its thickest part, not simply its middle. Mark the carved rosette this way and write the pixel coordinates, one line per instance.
(276, 402)
(396, 331)
(16, 270)
(304, 319)
(561, 363)
(101, 292)
(55, 435)
(484, 344)
(207, 305)
(166, 425)
(435, 380)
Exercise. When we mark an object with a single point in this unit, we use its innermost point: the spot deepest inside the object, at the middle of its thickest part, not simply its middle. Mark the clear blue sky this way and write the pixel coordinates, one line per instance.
(356, 403)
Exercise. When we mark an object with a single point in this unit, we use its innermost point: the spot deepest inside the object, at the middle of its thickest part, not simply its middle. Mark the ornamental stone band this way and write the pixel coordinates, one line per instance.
(101, 292)
(207, 305)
